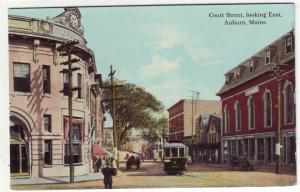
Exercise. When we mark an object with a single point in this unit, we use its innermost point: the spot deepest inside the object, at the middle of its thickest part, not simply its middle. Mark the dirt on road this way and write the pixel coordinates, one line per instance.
(151, 175)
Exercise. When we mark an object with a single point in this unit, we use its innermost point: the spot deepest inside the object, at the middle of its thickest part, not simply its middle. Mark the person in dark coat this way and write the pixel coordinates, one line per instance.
(98, 164)
(108, 171)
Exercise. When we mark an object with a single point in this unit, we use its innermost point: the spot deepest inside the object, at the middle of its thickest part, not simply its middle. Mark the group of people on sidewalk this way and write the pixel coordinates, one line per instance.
(107, 168)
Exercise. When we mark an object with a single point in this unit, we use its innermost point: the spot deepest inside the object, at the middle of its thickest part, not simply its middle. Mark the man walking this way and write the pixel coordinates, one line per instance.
(108, 171)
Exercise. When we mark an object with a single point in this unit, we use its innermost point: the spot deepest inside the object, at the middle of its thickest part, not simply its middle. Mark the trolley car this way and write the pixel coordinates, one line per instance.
(175, 158)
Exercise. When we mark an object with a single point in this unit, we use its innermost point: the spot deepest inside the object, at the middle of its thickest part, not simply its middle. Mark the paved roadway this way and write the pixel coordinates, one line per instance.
(151, 175)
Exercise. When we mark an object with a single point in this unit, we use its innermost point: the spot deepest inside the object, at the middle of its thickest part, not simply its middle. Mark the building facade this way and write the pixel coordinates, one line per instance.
(250, 97)
(183, 118)
(208, 139)
(38, 108)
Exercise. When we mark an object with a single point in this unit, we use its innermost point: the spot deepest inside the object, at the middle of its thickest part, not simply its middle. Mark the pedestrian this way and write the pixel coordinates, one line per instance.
(108, 171)
(98, 164)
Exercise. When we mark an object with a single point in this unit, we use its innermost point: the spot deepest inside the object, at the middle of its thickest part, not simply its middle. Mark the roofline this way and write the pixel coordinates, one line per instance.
(261, 50)
(220, 92)
(183, 100)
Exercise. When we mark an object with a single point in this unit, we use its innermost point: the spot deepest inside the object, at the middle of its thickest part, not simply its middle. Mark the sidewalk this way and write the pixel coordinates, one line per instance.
(48, 180)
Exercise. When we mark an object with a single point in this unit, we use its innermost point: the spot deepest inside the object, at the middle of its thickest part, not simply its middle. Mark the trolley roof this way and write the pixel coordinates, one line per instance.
(180, 145)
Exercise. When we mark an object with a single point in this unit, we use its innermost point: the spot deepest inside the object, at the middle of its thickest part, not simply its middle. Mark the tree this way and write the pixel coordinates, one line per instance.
(134, 110)
(157, 128)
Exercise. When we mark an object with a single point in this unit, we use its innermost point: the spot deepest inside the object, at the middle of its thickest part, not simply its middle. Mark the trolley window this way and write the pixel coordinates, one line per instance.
(167, 152)
(174, 152)
(181, 152)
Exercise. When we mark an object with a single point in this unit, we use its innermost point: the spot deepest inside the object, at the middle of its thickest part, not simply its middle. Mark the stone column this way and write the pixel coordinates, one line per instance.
(265, 150)
(237, 147)
(248, 148)
(255, 149)
(272, 149)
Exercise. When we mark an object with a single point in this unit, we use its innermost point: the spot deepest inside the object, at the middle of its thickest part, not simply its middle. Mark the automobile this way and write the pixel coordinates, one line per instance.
(175, 158)
(241, 163)
(133, 161)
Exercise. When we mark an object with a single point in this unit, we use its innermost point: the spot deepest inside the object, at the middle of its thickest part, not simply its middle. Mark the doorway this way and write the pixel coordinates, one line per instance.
(18, 151)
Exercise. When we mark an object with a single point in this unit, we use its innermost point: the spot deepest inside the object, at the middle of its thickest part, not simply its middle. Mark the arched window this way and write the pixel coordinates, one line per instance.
(251, 113)
(226, 119)
(288, 103)
(267, 109)
(237, 109)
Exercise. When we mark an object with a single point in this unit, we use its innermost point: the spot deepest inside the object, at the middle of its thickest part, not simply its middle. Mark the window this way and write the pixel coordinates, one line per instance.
(47, 123)
(238, 73)
(226, 119)
(87, 97)
(288, 103)
(46, 78)
(267, 109)
(16, 132)
(268, 56)
(48, 152)
(181, 152)
(237, 116)
(174, 152)
(260, 149)
(79, 85)
(167, 152)
(66, 83)
(76, 146)
(251, 113)
(251, 66)
(289, 44)
(21, 77)
(76, 153)
(229, 77)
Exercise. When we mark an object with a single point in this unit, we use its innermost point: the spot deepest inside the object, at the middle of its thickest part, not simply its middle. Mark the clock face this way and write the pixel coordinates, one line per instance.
(74, 21)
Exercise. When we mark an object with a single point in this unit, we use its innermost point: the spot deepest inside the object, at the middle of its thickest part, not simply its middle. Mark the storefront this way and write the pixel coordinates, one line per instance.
(260, 147)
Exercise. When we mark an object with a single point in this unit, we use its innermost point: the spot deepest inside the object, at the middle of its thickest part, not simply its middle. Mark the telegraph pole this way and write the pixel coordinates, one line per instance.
(66, 50)
(113, 114)
(194, 93)
(193, 127)
(163, 136)
(277, 71)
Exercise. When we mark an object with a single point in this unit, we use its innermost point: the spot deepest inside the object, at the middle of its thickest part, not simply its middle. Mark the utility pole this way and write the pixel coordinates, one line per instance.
(113, 114)
(194, 93)
(163, 137)
(277, 72)
(66, 50)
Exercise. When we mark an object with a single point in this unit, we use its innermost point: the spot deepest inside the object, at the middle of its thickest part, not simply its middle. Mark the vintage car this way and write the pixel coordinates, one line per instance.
(133, 161)
(175, 158)
(242, 163)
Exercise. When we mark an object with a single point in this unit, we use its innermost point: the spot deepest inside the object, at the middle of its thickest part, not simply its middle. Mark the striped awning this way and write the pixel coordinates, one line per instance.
(98, 151)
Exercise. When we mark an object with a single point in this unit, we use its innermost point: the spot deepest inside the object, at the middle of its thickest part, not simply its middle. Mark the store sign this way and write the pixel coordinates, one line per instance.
(251, 91)
(278, 146)
(65, 33)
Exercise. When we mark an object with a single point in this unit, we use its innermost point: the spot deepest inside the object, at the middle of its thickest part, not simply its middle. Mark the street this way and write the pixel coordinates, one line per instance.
(150, 175)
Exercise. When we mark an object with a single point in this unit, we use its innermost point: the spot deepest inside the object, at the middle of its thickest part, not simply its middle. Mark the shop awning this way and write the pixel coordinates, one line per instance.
(76, 121)
(98, 151)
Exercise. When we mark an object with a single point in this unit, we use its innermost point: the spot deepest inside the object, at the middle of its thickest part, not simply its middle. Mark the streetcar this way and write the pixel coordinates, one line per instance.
(175, 158)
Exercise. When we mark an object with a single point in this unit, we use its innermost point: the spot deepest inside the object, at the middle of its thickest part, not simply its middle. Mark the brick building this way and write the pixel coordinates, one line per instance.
(182, 122)
(249, 104)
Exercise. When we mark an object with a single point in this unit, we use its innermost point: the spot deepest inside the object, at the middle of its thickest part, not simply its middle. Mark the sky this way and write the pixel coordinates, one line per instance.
(171, 50)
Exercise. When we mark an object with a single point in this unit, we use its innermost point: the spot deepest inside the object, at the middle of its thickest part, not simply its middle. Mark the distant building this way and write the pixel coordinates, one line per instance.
(250, 105)
(108, 138)
(39, 131)
(182, 122)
